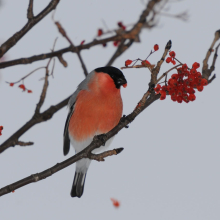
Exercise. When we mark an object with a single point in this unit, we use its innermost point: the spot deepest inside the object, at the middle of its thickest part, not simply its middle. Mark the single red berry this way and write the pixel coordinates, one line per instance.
(172, 54)
(204, 82)
(115, 43)
(22, 86)
(144, 62)
(104, 45)
(174, 98)
(157, 89)
(11, 84)
(179, 99)
(100, 32)
(192, 97)
(200, 88)
(168, 60)
(195, 65)
(174, 76)
(82, 42)
(185, 67)
(128, 62)
(115, 202)
(29, 91)
(1, 128)
(156, 47)
(173, 62)
(120, 24)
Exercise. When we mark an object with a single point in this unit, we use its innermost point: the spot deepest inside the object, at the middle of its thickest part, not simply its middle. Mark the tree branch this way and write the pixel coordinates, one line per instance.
(37, 118)
(30, 14)
(86, 153)
(133, 34)
(206, 72)
(31, 22)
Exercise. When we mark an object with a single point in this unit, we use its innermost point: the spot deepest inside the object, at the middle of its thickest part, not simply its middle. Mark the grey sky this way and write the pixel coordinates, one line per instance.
(170, 166)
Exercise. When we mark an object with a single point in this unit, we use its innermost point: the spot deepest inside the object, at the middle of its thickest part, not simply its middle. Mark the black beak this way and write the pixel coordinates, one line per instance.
(121, 82)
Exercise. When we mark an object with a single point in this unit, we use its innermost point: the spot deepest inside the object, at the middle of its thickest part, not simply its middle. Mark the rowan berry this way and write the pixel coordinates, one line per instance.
(156, 47)
(128, 62)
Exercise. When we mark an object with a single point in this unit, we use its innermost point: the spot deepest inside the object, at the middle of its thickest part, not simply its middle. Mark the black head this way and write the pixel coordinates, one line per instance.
(115, 74)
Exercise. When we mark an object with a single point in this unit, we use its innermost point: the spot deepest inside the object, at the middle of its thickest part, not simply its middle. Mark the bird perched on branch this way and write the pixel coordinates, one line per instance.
(94, 108)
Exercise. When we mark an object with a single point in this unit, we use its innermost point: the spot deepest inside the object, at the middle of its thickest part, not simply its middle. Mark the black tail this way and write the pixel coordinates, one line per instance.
(78, 184)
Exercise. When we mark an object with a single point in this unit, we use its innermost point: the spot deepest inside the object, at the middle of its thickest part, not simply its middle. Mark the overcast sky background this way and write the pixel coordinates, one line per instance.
(170, 166)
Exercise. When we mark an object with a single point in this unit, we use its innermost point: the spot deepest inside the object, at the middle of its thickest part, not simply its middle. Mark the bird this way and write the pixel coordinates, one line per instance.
(94, 108)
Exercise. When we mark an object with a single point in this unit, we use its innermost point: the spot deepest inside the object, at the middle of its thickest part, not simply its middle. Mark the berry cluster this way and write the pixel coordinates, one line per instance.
(171, 58)
(1, 128)
(22, 86)
(143, 62)
(181, 86)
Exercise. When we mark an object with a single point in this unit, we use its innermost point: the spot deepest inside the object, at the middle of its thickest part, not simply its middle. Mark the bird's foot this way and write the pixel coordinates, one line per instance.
(102, 138)
(123, 119)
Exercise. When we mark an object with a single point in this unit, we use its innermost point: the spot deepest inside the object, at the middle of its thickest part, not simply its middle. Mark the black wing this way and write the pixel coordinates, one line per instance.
(66, 139)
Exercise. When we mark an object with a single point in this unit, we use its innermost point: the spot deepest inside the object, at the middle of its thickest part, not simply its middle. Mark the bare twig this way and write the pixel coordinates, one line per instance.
(37, 118)
(133, 34)
(31, 22)
(24, 144)
(120, 50)
(30, 13)
(205, 61)
(156, 69)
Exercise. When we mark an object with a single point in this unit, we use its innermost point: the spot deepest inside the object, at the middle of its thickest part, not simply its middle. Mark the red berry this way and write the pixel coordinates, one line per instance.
(204, 82)
(195, 65)
(1, 128)
(22, 86)
(174, 98)
(168, 60)
(156, 47)
(174, 76)
(179, 99)
(200, 88)
(115, 202)
(100, 32)
(192, 97)
(173, 62)
(172, 54)
(184, 67)
(128, 62)
(115, 43)
(144, 62)
(11, 84)
(29, 91)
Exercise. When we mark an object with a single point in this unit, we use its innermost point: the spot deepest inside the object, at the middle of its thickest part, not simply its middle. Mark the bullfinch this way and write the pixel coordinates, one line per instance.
(94, 108)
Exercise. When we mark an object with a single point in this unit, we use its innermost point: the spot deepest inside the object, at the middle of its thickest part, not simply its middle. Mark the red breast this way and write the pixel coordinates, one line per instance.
(97, 110)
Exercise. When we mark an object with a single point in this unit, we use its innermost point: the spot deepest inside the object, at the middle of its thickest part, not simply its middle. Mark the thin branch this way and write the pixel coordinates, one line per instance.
(156, 69)
(30, 14)
(206, 72)
(63, 32)
(205, 61)
(37, 118)
(120, 50)
(31, 23)
(133, 34)
(86, 153)
(43, 93)
(100, 157)
(24, 144)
